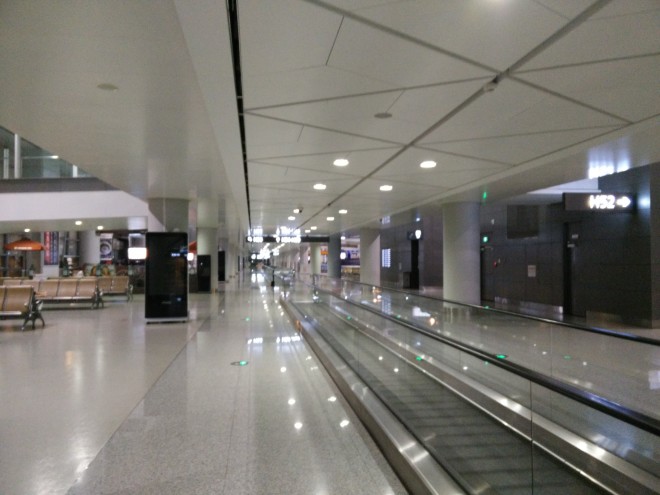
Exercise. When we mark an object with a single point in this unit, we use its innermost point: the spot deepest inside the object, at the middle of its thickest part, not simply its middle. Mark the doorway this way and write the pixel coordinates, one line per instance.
(574, 300)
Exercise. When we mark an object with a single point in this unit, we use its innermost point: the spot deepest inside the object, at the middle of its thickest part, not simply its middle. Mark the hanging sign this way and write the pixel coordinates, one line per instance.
(599, 202)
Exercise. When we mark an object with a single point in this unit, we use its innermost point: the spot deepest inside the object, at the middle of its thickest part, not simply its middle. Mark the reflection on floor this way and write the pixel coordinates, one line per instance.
(100, 397)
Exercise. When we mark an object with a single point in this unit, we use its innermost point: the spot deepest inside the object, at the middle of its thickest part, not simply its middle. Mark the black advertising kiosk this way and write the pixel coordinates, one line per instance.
(166, 288)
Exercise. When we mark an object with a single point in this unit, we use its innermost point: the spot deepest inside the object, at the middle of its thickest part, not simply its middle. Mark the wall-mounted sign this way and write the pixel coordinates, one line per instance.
(599, 202)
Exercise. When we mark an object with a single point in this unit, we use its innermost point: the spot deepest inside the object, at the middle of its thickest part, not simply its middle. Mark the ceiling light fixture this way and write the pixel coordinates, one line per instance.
(320, 187)
(307, 231)
(330, 219)
(428, 164)
(100, 227)
(343, 212)
(78, 222)
(298, 210)
(26, 230)
(292, 217)
(386, 187)
(313, 227)
(340, 162)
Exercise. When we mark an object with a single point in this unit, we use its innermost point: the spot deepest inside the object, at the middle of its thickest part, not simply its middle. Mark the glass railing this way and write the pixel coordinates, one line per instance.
(622, 368)
(503, 403)
(35, 162)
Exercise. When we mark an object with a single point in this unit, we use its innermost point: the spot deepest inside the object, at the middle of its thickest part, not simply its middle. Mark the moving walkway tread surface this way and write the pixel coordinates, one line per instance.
(488, 457)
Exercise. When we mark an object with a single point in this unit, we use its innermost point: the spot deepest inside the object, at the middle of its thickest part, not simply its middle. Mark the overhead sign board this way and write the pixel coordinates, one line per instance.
(599, 202)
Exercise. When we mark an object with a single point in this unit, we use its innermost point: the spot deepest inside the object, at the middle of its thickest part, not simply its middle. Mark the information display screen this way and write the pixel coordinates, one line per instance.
(166, 288)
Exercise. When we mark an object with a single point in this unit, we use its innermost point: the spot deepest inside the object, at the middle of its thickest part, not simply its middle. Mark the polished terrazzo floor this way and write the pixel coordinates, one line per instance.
(98, 402)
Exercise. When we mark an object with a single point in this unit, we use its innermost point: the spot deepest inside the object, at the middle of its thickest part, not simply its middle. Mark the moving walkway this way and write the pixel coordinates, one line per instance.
(493, 425)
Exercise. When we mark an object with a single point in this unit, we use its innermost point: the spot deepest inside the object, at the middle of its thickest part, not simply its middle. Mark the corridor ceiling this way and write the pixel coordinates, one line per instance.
(506, 96)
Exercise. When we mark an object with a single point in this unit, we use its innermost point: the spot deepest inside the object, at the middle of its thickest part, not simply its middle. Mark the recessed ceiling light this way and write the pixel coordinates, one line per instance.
(343, 238)
(320, 187)
(330, 219)
(343, 212)
(307, 231)
(78, 222)
(107, 87)
(383, 115)
(292, 217)
(26, 230)
(386, 187)
(297, 210)
(100, 227)
(313, 227)
(340, 162)
(428, 164)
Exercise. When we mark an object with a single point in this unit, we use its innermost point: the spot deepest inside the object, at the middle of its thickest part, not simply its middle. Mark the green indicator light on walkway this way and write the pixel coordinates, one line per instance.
(239, 363)
(242, 363)
(484, 195)
(501, 356)
(348, 317)
(567, 357)
(247, 319)
(419, 358)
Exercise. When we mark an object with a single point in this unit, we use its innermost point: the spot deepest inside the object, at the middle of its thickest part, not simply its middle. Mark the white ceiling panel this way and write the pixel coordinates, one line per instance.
(625, 7)
(603, 39)
(359, 49)
(623, 87)
(275, 175)
(521, 148)
(260, 132)
(514, 108)
(428, 105)
(308, 84)
(362, 163)
(442, 181)
(284, 35)
(312, 141)
(354, 116)
(408, 162)
(492, 33)
(566, 8)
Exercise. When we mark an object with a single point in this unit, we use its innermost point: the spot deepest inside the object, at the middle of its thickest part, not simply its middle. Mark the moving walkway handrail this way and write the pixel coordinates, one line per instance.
(602, 331)
(625, 414)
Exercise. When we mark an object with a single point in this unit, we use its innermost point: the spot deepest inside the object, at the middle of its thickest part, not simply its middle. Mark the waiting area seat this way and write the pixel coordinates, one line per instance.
(116, 285)
(62, 290)
(20, 302)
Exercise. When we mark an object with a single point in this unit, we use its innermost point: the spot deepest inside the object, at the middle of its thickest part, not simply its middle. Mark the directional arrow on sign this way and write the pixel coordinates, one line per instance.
(623, 201)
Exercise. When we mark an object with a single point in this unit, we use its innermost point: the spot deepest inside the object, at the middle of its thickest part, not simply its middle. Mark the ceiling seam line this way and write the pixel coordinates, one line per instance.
(401, 35)
(523, 134)
(369, 93)
(571, 100)
(328, 129)
(278, 157)
(327, 60)
(586, 63)
(560, 33)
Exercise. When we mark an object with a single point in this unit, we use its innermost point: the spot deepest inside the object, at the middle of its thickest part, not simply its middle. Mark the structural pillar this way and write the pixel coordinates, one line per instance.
(461, 252)
(208, 245)
(18, 159)
(90, 248)
(315, 248)
(172, 213)
(334, 256)
(370, 256)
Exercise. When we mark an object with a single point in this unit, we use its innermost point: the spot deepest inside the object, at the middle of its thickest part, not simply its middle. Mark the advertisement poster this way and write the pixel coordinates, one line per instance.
(51, 248)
